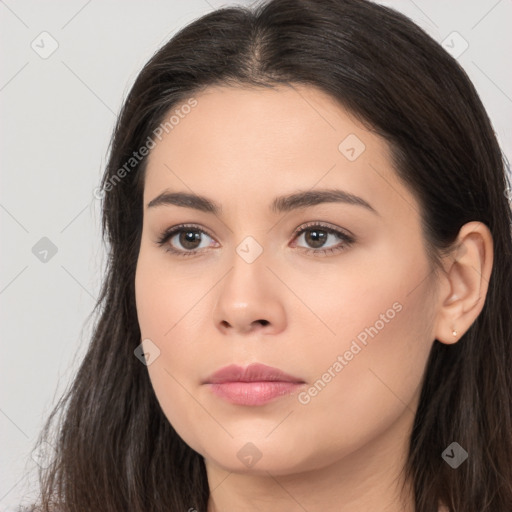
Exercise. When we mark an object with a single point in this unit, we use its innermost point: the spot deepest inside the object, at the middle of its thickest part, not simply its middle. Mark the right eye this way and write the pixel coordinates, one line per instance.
(189, 237)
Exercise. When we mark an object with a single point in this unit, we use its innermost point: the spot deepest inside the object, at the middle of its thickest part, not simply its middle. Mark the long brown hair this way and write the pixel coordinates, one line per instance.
(115, 449)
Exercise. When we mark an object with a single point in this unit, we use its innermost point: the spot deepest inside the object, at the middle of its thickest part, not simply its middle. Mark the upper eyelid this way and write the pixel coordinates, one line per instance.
(181, 227)
(302, 227)
(327, 226)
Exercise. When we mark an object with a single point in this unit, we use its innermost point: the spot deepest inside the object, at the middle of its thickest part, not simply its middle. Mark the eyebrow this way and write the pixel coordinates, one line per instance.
(280, 204)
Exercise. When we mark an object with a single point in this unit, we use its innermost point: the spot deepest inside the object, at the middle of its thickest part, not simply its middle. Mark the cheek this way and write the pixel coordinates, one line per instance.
(167, 295)
(169, 309)
(171, 304)
(368, 370)
(377, 358)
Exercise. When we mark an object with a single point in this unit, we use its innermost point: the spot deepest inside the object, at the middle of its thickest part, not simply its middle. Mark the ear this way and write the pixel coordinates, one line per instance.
(464, 283)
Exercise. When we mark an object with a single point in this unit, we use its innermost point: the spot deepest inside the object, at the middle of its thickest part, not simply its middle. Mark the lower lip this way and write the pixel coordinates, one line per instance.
(253, 393)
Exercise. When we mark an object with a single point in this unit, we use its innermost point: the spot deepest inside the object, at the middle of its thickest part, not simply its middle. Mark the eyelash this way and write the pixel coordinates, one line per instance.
(346, 239)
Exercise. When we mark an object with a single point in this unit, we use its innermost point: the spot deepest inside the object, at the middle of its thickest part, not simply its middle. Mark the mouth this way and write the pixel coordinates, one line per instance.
(257, 384)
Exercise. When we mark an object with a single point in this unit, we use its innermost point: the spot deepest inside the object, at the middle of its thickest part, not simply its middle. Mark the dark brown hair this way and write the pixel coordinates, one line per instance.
(115, 449)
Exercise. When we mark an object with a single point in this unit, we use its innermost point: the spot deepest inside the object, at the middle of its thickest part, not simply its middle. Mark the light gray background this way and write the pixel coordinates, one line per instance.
(57, 115)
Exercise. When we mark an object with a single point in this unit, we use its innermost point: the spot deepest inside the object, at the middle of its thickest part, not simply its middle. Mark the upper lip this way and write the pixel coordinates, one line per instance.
(255, 372)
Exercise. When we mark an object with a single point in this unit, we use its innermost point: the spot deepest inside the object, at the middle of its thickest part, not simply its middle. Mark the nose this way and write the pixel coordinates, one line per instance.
(249, 300)
(244, 326)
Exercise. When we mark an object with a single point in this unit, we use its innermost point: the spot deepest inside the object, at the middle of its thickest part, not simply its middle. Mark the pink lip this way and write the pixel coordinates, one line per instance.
(256, 384)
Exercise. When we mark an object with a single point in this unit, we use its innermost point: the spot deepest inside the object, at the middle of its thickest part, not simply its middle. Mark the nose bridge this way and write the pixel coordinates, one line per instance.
(250, 250)
(248, 267)
(245, 297)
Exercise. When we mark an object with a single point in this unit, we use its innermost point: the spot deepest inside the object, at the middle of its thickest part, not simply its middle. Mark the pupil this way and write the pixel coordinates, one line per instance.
(316, 238)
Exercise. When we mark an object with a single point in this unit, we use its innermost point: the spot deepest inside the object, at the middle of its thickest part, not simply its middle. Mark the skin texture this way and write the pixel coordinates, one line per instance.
(343, 449)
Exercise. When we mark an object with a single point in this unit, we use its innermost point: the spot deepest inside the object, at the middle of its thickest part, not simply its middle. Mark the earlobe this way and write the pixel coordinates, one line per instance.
(466, 280)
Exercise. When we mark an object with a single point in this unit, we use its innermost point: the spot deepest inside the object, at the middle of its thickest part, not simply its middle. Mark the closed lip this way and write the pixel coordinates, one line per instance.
(255, 372)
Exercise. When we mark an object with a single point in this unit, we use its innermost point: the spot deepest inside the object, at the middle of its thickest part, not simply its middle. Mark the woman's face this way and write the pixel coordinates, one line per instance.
(314, 264)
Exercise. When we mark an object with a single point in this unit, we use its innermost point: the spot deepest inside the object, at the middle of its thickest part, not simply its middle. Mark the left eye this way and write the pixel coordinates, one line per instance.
(316, 237)
(187, 237)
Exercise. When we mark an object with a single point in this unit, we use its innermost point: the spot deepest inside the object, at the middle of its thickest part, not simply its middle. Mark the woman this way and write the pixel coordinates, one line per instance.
(307, 304)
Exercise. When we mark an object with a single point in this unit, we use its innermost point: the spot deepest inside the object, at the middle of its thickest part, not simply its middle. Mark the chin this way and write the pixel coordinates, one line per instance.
(261, 457)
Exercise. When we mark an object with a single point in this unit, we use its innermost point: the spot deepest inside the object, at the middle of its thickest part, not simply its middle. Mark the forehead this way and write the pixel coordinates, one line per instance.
(241, 144)
(272, 123)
